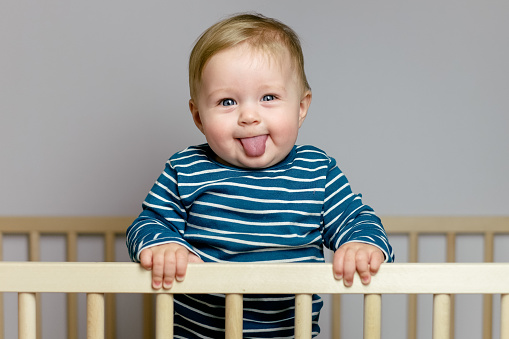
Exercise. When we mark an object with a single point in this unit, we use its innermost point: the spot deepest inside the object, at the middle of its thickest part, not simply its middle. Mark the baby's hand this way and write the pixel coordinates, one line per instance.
(167, 262)
(355, 256)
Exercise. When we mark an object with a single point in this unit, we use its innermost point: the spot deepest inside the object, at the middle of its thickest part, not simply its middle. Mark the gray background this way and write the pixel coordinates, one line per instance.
(411, 98)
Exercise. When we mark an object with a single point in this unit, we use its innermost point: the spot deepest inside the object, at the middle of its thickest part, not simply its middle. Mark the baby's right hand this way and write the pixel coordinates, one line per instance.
(167, 262)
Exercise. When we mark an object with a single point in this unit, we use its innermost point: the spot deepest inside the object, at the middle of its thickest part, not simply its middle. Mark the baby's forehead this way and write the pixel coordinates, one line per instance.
(278, 55)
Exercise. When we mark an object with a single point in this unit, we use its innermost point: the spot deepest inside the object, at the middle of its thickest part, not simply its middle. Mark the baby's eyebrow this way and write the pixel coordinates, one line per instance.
(273, 88)
(220, 92)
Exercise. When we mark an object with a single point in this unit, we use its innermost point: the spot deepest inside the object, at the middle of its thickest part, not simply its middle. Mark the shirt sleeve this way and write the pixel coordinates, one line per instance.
(347, 219)
(163, 218)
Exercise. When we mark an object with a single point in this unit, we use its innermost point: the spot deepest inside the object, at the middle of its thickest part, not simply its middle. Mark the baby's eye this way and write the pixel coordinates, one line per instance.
(268, 97)
(228, 102)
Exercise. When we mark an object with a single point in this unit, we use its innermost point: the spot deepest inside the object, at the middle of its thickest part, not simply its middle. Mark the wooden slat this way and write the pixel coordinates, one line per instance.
(164, 316)
(441, 316)
(303, 312)
(95, 316)
(34, 254)
(148, 316)
(504, 316)
(34, 247)
(233, 316)
(413, 244)
(451, 258)
(372, 316)
(443, 278)
(441, 225)
(62, 225)
(109, 256)
(487, 313)
(336, 316)
(72, 298)
(27, 318)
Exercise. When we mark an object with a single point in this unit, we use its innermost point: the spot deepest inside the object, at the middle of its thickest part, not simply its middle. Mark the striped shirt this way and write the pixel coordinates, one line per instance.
(285, 213)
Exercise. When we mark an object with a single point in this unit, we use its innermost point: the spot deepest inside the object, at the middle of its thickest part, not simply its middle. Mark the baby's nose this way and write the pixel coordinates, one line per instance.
(249, 115)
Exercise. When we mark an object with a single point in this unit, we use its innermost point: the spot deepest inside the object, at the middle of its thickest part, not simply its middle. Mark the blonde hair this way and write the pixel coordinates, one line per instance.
(255, 29)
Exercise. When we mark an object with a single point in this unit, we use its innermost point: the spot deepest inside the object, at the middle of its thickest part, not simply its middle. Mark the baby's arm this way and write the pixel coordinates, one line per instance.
(167, 262)
(356, 256)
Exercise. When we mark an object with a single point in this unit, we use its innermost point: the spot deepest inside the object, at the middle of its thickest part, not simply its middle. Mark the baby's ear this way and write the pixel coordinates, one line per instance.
(196, 114)
(305, 102)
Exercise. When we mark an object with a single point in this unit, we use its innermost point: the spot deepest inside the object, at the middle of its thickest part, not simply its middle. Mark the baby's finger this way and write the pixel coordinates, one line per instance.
(361, 262)
(170, 264)
(146, 259)
(181, 258)
(157, 270)
(337, 264)
(377, 258)
(349, 267)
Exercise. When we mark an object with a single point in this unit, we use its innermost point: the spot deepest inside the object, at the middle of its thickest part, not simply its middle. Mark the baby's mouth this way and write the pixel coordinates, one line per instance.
(254, 146)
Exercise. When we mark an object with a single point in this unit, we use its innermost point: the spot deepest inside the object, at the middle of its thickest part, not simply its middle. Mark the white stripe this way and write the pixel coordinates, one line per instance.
(337, 192)
(162, 207)
(288, 236)
(252, 223)
(261, 188)
(204, 183)
(240, 210)
(334, 180)
(268, 201)
(191, 164)
(176, 197)
(338, 203)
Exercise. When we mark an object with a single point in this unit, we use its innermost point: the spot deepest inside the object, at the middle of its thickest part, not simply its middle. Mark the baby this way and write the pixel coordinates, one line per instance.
(250, 194)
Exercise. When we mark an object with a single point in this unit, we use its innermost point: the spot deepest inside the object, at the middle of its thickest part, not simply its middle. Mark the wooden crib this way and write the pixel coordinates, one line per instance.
(235, 280)
(411, 279)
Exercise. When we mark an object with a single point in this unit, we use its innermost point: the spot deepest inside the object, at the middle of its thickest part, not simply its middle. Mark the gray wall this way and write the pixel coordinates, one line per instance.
(410, 97)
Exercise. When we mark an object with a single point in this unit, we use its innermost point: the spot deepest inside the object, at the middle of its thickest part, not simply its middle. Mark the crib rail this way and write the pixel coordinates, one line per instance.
(110, 228)
(235, 280)
(71, 228)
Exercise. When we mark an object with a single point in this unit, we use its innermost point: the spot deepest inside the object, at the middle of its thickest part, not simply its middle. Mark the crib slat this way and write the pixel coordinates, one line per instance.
(504, 316)
(441, 316)
(34, 254)
(164, 316)
(412, 298)
(95, 316)
(233, 316)
(109, 256)
(451, 257)
(148, 316)
(487, 313)
(72, 298)
(303, 313)
(27, 319)
(336, 316)
(372, 316)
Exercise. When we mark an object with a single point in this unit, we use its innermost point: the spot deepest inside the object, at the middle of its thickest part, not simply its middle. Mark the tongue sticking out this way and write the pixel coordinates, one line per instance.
(255, 146)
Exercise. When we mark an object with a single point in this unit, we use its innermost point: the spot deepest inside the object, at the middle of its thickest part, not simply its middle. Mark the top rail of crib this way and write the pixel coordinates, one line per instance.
(416, 278)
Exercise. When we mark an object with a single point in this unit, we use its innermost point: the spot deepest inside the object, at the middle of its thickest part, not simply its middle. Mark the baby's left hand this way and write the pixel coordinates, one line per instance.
(355, 256)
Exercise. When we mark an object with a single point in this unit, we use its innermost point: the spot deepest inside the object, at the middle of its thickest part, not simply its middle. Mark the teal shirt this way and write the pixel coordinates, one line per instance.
(285, 213)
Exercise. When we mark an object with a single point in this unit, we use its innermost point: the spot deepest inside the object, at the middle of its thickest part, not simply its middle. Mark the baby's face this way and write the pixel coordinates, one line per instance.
(250, 107)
